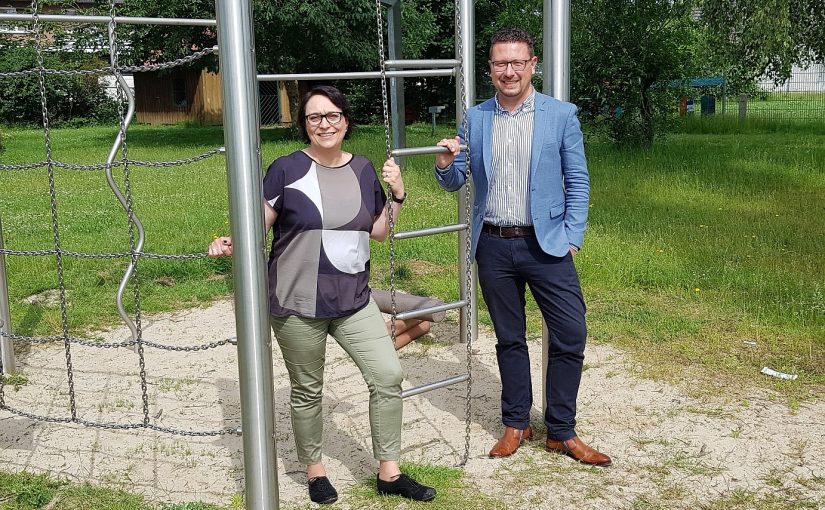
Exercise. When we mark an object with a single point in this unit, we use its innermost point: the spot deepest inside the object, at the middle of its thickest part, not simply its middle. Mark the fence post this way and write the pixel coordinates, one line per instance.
(743, 107)
(6, 345)
(241, 125)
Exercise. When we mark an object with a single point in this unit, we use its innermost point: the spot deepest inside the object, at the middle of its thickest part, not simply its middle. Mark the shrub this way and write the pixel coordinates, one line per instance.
(67, 97)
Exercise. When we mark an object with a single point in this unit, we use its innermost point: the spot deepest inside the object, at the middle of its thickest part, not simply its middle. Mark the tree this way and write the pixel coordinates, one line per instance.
(752, 38)
(80, 99)
(624, 55)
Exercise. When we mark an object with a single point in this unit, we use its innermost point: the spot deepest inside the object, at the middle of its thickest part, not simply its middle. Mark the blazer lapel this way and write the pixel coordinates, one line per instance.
(487, 146)
(539, 132)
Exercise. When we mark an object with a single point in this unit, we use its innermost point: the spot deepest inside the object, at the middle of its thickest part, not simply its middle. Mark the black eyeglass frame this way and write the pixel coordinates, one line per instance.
(321, 116)
(522, 63)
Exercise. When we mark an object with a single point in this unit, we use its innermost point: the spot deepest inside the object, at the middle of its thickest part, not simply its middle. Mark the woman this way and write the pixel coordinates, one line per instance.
(326, 204)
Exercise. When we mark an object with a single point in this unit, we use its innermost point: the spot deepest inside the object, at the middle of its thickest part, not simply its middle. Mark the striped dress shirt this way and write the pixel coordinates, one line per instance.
(508, 199)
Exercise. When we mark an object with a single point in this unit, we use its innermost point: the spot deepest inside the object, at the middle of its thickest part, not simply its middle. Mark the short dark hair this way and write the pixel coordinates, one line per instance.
(335, 96)
(512, 35)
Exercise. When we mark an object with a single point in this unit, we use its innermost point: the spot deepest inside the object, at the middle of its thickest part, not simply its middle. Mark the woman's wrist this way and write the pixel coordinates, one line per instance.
(398, 199)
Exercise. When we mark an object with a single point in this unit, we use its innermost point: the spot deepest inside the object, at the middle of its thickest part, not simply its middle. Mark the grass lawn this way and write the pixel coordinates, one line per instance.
(703, 256)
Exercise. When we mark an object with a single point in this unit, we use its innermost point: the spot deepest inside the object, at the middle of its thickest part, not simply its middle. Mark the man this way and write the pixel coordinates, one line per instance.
(529, 216)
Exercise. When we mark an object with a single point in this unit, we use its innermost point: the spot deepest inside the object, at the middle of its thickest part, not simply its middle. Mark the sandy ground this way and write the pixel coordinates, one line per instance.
(669, 450)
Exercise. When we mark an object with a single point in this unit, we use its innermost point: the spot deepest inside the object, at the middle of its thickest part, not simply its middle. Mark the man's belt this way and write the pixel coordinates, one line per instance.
(507, 231)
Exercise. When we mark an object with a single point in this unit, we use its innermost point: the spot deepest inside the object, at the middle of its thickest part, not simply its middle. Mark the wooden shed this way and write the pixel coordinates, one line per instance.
(180, 95)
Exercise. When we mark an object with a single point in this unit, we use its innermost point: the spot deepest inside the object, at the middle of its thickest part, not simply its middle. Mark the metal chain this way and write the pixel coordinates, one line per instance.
(468, 247)
(58, 252)
(27, 166)
(113, 345)
(102, 166)
(379, 16)
(127, 188)
(102, 256)
(113, 70)
(64, 318)
(119, 426)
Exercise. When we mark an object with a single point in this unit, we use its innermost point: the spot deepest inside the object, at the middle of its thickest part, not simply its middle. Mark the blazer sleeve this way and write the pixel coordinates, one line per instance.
(454, 176)
(576, 180)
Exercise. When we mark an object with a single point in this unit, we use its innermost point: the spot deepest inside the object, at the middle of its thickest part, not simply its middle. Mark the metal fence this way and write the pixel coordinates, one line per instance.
(802, 97)
(269, 99)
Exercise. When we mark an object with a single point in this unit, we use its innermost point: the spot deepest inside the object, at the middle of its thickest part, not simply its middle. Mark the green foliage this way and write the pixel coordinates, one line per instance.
(623, 56)
(80, 99)
(749, 38)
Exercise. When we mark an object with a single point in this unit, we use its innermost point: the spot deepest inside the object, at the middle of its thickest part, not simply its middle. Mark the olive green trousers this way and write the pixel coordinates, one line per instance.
(363, 336)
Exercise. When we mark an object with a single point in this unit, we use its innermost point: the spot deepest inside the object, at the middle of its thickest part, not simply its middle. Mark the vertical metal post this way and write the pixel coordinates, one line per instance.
(6, 345)
(743, 107)
(556, 68)
(397, 116)
(467, 58)
(243, 160)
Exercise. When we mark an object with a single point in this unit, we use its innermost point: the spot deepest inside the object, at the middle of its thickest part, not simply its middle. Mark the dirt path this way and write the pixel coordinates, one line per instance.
(669, 451)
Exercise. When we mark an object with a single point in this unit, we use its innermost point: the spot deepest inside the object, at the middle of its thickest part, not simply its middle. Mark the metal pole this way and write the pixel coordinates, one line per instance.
(357, 75)
(243, 159)
(397, 116)
(556, 82)
(102, 20)
(557, 48)
(6, 345)
(418, 64)
(467, 58)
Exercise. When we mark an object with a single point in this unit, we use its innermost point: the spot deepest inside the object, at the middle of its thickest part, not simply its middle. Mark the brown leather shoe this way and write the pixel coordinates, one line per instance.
(510, 441)
(578, 449)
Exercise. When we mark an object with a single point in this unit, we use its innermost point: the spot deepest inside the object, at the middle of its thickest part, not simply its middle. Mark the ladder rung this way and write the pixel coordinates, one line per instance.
(366, 75)
(410, 64)
(430, 231)
(434, 385)
(417, 151)
(412, 314)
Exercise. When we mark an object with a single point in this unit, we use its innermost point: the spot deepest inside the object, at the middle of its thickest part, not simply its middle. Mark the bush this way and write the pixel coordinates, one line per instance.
(67, 97)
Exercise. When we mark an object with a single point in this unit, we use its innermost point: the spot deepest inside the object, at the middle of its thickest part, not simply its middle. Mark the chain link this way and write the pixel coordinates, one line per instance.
(64, 318)
(379, 16)
(103, 166)
(41, 72)
(118, 426)
(26, 166)
(113, 345)
(103, 256)
(130, 214)
(468, 219)
(183, 61)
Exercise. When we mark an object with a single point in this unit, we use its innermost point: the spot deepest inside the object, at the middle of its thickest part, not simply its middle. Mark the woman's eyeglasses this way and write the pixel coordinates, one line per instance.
(314, 119)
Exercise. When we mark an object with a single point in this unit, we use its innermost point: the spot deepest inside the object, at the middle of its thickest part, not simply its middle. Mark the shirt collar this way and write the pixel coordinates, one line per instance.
(527, 106)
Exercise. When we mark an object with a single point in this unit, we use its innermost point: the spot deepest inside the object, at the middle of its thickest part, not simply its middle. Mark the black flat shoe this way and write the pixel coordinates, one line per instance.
(406, 487)
(321, 491)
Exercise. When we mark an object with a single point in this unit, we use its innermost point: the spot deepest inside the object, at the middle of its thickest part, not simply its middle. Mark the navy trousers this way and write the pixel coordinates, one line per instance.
(505, 266)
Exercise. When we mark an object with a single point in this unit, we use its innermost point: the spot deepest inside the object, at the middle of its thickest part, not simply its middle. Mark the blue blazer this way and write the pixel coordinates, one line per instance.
(559, 182)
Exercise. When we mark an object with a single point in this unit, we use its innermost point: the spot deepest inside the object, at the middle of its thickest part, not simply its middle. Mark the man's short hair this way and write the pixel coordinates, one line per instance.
(512, 35)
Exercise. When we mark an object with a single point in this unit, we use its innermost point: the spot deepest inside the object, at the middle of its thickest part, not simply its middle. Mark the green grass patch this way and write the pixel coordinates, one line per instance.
(703, 256)
(27, 491)
(451, 491)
